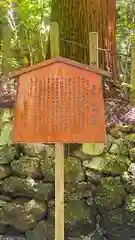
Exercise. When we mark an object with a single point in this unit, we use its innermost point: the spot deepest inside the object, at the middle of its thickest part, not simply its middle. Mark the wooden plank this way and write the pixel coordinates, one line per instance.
(59, 154)
(93, 49)
(93, 148)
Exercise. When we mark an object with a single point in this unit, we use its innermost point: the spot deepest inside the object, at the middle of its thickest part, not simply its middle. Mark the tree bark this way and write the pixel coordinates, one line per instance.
(76, 18)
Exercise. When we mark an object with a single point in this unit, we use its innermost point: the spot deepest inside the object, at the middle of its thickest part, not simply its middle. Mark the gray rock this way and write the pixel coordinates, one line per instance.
(15, 187)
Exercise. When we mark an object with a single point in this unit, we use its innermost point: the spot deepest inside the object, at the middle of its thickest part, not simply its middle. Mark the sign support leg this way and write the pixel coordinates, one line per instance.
(59, 191)
(59, 154)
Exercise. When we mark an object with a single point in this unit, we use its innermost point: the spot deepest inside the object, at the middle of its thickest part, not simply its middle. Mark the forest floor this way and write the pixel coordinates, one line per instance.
(119, 113)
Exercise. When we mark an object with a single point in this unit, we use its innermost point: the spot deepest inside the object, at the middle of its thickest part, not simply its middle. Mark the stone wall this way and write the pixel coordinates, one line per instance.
(99, 189)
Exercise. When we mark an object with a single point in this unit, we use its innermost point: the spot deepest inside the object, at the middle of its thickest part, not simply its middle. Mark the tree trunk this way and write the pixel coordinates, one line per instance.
(76, 18)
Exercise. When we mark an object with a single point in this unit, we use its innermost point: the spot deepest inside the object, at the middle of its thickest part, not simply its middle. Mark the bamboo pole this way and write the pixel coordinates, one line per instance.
(59, 154)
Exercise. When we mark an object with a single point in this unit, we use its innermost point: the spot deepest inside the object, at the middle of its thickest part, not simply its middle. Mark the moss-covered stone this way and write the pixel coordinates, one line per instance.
(114, 149)
(80, 219)
(132, 154)
(108, 163)
(110, 194)
(15, 187)
(109, 143)
(27, 167)
(43, 230)
(98, 235)
(123, 146)
(128, 182)
(93, 149)
(115, 132)
(47, 164)
(34, 149)
(3, 219)
(115, 225)
(7, 154)
(5, 171)
(131, 169)
(24, 215)
(73, 170)
(78, 191)
(126, 129)
(94, 176)
(78, 153)
(129, 210)
(131, 137)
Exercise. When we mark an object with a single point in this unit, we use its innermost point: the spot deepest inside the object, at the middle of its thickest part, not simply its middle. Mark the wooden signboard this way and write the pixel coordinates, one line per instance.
(59, 100)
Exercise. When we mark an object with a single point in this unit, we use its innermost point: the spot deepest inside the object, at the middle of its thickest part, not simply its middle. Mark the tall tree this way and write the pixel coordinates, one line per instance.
(76, 18)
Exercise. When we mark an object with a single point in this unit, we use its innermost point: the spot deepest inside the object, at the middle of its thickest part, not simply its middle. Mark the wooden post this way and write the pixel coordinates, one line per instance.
(93, 148)
(59, 154)
(132, 92)
(93, 49)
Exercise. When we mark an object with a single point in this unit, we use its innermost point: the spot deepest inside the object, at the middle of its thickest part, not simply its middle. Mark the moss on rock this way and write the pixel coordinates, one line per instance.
(116, 132)
(24, 215)
(15, 187)
(27, 167)
(47, 164)
(73, 170)
(43, 230)
(78, 191)
(110, 194)
(5, 171)
(108, 163)
(115, 225)
(34, 149)
(7, 154)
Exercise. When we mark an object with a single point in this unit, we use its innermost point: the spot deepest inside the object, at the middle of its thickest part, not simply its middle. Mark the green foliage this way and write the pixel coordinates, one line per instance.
(125, 24)
(26, 23)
